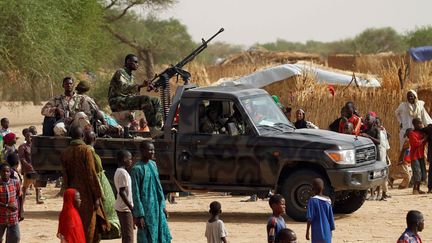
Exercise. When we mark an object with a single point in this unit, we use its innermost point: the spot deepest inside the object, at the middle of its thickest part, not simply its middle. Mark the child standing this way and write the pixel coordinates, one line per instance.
(402, 169)
(148, 198)
(215, 228)
(319, 215)
(124, 204)
(70, 227)
(417, 142)
(9, 206)
(276, 222)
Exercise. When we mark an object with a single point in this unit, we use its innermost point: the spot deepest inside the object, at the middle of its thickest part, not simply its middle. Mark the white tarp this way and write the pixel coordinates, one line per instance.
(268, 76)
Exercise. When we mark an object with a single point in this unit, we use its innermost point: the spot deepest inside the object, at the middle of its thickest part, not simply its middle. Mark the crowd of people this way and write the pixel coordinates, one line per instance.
(92, 211)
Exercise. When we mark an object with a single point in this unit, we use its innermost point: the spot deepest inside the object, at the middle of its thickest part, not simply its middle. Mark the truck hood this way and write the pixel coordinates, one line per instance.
(317, 139)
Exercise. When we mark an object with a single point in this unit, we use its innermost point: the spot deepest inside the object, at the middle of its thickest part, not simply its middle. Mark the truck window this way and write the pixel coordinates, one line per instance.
(220, 117)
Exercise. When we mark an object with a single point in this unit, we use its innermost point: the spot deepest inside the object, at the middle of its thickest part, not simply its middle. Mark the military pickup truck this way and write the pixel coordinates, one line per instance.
(258, 151)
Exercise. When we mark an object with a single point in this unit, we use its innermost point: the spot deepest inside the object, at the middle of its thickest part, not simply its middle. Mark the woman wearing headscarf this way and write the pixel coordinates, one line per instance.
(408, 110)
(70, 227)
(301, 122)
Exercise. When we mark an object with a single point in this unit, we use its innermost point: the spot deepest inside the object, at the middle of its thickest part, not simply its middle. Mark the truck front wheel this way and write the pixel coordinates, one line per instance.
(347, 202)
(297, 189)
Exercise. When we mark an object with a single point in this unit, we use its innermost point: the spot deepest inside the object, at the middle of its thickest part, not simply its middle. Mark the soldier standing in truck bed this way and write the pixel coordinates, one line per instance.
(124, 94)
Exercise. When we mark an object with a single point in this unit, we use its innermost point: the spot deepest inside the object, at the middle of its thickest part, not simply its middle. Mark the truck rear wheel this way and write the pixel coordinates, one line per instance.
(297, 189)
(347, 202)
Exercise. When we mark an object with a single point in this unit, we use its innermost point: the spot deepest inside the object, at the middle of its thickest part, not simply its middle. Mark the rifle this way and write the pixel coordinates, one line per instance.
(161, 80)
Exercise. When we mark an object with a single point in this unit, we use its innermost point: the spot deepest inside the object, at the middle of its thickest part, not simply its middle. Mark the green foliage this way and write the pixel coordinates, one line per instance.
(379, 40)
(420, 37)
(45, 40)
(167, 39)
(369, 41)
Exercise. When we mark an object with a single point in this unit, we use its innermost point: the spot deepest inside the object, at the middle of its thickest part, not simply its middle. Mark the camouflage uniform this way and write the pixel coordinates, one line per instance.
(71, 106)
(123, 95)
(211, 127)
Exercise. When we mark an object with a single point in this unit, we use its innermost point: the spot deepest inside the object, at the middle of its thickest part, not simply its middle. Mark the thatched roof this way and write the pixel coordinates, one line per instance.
(263, 56)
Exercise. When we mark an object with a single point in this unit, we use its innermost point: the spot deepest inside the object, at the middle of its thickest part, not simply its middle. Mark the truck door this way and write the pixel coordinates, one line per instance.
(221, 149)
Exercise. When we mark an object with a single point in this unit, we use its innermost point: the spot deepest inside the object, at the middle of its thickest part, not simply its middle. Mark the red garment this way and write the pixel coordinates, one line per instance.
(356, 121)
(9, 193)
(70, 224)
(417, 146)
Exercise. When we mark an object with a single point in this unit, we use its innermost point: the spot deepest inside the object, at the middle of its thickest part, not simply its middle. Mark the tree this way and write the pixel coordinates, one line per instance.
(45, 40)
(118, 10)
(379, 40)
(420, 37)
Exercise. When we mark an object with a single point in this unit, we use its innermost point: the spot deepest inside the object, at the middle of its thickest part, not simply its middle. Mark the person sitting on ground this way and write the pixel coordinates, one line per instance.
(9, 205)
(301, 122)
(124, 202)
(286, 236)
(417, 142)
(319, 214)
(70, 228)
(415, 224)
(401, 170)
(59, 112)
(215, 229)
(276, 222)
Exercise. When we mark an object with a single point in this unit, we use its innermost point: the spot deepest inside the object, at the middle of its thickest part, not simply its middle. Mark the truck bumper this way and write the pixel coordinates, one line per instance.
(358, 178)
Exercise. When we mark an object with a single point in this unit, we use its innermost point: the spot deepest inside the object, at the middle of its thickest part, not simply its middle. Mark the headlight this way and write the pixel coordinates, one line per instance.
(343, 157)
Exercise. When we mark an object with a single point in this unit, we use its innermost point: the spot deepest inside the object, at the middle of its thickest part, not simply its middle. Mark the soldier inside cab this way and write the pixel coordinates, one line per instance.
(211, 122)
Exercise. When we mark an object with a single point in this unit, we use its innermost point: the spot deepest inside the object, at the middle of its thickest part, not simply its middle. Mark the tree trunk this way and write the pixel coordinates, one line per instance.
(147, 57)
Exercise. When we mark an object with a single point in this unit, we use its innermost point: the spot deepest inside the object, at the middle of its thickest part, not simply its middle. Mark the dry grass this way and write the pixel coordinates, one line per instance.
(322, 108)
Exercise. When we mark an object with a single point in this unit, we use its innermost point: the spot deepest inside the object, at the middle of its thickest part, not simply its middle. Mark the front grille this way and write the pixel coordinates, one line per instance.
(365, 154)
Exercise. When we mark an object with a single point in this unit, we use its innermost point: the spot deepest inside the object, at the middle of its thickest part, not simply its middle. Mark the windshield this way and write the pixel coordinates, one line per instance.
(265, 114)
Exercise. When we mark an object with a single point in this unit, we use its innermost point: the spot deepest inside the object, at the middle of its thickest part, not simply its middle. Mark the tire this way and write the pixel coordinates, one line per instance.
(297, 189)
(347, 202)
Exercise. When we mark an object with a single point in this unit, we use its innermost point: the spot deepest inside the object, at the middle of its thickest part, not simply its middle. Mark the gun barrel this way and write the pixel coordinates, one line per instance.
(198, 50)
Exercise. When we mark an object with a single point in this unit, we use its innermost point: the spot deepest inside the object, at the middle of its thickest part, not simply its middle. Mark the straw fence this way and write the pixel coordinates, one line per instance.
(322, 107)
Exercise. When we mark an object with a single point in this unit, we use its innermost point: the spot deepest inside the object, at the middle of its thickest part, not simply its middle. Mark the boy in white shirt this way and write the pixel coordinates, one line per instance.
(215, 228)
(124, 202)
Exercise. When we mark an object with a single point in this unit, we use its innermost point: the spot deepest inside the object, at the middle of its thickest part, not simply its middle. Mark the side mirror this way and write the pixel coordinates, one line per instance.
(232, 129)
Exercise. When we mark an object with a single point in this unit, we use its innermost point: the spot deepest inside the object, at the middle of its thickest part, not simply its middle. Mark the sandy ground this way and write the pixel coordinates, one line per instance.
(376, 221)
